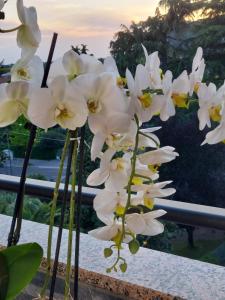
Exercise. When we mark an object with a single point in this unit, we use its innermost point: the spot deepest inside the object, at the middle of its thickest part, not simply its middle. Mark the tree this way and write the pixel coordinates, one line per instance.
(214, 8)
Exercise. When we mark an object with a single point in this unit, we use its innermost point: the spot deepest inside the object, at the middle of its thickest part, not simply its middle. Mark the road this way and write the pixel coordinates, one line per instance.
(48, 169)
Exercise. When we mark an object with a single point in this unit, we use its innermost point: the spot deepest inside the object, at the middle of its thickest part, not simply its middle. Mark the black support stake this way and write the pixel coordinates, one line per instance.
(14, 235)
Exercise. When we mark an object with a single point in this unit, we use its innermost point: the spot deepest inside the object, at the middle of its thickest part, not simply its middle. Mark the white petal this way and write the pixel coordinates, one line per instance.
(105, 233)
(110, 65)
(105, 202)
(135, 223)
(97, 145)
(153, 228)
(41, 110)
(17, 90)
(9, 112)
(97, 177)
(72, 63)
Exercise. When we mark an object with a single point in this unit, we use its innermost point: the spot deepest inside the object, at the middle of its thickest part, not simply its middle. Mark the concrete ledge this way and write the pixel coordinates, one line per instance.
(150, 275)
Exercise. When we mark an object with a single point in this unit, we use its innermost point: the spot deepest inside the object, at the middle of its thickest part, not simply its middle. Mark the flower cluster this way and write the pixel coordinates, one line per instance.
(82, 89)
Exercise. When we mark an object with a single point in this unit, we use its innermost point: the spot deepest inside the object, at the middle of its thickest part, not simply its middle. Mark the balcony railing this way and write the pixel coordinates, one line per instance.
(178, 212)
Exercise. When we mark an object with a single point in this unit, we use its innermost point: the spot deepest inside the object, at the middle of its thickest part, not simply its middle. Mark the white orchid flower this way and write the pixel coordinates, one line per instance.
(146, 224)
(28, 35)
(13, 102)
(113, 172)
(146, 171)
(150, 192)
(2, 4)
(108, 201)
(180, 90)
(101, 94)
(218, 134)
(210, 101)
(110, 66)
(72, 65)
(163, 104)
(31, 71)
(152, 65)
(149, 139)
(108, 129)
(159, 156)
(198, 69)
(141, 100)
(112, 230)
(60, 104)
(126, 141)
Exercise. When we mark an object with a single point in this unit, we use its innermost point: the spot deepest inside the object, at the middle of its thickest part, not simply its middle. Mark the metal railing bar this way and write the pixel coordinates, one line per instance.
(177, 211)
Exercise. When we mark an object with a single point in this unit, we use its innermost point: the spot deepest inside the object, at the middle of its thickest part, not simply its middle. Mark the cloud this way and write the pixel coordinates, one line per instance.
(92, 22)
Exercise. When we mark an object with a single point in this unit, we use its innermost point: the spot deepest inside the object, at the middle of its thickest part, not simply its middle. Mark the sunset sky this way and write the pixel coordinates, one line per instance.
(91, 22)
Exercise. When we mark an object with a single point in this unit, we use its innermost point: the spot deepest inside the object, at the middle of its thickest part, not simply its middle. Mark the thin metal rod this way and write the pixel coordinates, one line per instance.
(78, 210)
(14, 235)
(62, 217)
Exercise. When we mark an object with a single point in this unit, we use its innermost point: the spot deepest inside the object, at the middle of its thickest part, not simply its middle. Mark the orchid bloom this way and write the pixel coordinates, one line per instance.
(31, 71)
(158, 157)
(60, 104)
(141, 99)
(28, 35)
(110, 66)
(150, 192)
(72, 65)
(180, 90)
(210, 101)
(152, 65)
(13, 102)
(111, 232)
(145, 224)
(113, 172)
(163, 104)
(198, 69)
(217, 135)
(108, 202)
(108, 129)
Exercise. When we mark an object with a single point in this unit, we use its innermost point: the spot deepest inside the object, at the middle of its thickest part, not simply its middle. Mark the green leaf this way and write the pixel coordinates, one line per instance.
(108, 252)
(23, 262)
(123, 267)
(134, 246)
(4, 277)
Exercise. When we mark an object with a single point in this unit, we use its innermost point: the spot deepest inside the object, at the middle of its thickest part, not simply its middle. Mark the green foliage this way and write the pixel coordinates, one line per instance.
(20, 265)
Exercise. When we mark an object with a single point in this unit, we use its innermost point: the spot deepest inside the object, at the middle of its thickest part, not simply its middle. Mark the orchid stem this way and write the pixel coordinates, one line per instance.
(71, 222)
(129, 191)
(52, 215)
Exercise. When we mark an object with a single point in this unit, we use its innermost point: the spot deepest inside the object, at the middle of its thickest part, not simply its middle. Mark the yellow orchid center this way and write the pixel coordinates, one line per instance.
(146, 100)
(121, 81)
(137, 180)
(161, 73)
(116, 239)
(148, 202)
(120, 210)
(196, 87)
(214, 113)
(154, 168)
(94, 106)
(71, 77)
(23, 73)
(120, 166)
(180, 100)
(62, 112)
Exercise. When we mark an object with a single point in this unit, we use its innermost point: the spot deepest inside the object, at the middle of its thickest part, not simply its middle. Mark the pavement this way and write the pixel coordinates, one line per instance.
(46, 168)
